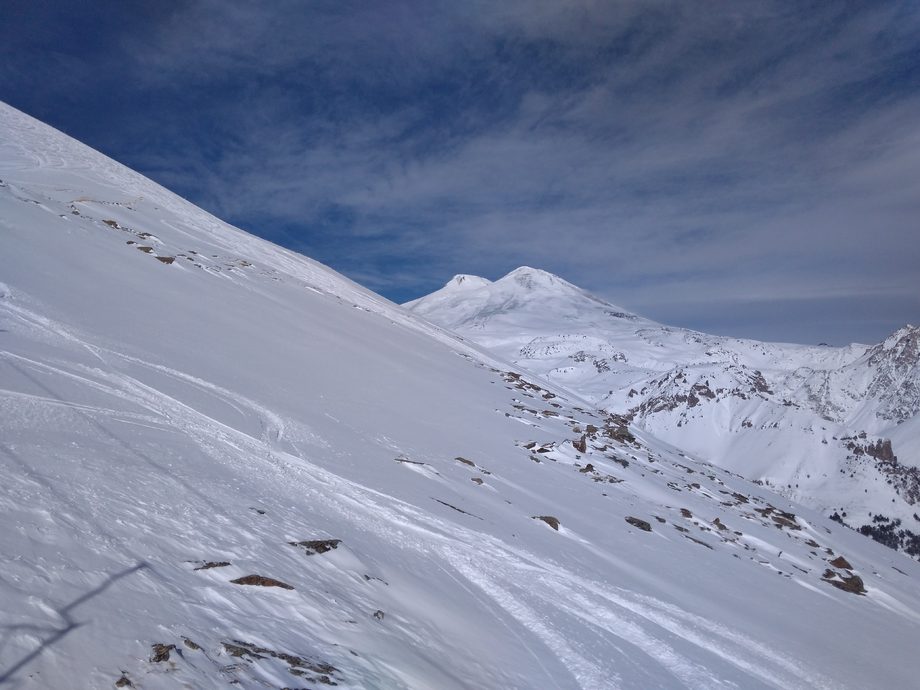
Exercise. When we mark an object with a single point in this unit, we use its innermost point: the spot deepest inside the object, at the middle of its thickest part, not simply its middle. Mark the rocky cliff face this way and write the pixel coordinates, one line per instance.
(896, 383)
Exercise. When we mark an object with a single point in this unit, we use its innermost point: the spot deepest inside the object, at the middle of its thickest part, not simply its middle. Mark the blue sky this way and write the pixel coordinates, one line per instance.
(747, 168)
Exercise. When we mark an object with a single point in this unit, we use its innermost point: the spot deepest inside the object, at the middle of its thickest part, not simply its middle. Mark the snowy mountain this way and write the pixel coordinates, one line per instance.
(225, 465)
(835, 428)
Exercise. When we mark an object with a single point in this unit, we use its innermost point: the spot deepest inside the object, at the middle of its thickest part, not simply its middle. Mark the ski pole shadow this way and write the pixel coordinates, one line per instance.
(55, 635)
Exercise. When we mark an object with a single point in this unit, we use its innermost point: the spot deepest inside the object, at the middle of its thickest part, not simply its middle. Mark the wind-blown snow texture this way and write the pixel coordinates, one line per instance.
(191, 418)
(836, 428)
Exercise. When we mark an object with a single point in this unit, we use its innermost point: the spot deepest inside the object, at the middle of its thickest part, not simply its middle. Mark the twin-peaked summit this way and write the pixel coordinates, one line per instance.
(523, 298)
(524, 279)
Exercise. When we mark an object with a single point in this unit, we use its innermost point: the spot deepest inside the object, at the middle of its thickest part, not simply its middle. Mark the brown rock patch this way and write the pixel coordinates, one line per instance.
(641, 524)
(260, 581)
(841, 562)
(549, 520)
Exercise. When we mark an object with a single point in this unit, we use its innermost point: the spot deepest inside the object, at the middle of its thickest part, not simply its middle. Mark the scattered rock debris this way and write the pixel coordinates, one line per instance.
(609, 479)
(194, 646)
(124, 682)
(213, 564)
(379, 615)
(313, 670)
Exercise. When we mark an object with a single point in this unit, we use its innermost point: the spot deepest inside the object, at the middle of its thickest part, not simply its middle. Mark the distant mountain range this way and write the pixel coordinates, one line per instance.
(835, 428)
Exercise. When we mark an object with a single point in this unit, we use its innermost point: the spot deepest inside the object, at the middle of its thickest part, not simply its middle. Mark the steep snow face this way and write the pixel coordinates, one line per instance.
(806, 420)
(224, 464)
(896, 383)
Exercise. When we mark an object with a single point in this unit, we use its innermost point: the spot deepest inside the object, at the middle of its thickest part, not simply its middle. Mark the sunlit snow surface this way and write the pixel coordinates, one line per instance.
(158, 417)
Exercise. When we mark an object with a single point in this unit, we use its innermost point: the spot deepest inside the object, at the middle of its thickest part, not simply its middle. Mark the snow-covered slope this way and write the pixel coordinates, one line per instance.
(224, 465)
(836, 428)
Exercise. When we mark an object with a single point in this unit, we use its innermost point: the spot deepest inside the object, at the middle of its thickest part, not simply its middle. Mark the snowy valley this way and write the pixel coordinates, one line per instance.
(835, 428)
(225, 465)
